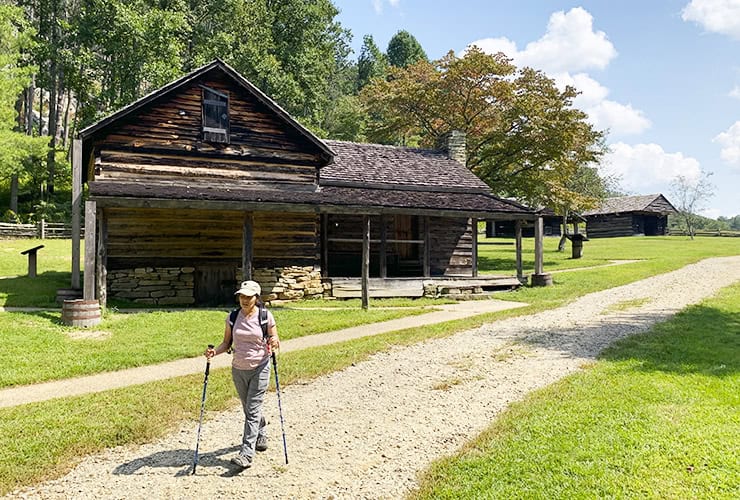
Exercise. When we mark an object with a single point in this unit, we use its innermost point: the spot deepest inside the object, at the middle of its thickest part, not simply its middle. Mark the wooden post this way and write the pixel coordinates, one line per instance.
(102, 273)
(474, 224)
(88, 292)
(365, 261)
(247, 246)
(383, 264)
(538, 246)
(539, 278)
(76, 200)
(518, 238)
(42, 229)
(324, 245)
(427, 248)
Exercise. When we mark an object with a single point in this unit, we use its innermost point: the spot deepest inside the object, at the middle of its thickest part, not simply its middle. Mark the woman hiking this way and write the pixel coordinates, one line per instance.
(252, 334)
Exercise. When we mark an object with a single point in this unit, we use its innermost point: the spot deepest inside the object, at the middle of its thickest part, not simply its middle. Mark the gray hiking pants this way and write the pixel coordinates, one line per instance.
(251, 386)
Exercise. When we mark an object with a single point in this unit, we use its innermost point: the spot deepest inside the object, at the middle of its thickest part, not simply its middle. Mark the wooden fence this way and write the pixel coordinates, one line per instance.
(718, 232)
(42, 230)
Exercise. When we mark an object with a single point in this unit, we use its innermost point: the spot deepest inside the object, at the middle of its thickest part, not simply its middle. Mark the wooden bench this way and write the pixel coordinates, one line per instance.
(31, 252)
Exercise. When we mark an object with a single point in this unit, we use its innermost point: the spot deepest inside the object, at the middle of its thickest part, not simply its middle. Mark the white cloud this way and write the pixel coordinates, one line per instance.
(569, 44)
(619, 119)
(719, 16)
(735, 92)
(378, 5)
(647, 168)
(730, 142)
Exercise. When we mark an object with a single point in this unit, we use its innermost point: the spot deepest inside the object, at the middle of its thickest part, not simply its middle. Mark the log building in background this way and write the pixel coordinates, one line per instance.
(629, 216)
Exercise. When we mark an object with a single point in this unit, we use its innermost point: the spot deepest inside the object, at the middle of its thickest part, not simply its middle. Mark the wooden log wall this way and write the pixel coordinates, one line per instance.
(451, 246)
(164, 141)
(174, 237)
(606, 226)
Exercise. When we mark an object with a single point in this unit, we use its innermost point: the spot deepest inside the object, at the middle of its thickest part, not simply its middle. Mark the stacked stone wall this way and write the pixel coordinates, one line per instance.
(153, 285)
(290, 283)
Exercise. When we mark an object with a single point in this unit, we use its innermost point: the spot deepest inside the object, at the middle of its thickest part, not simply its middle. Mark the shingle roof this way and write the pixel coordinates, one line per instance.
(368, 165)
(640, 203)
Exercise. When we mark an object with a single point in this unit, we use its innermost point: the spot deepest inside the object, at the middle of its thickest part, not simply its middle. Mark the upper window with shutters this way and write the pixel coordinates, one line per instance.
(215, 115)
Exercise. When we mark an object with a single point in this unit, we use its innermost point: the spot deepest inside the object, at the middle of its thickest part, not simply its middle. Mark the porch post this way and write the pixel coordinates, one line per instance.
(365, 261)
(102, 258)
(324, 245)
(518, 238)
(474, 224)
(76, 201)
(427, 248)
(90, 223)
(247, 250)
(383, 236)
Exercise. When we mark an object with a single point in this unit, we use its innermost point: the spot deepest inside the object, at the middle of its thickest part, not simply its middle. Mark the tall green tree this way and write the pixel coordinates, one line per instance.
(404, 49)
(17, 149)
(524, 137)
(371, 63)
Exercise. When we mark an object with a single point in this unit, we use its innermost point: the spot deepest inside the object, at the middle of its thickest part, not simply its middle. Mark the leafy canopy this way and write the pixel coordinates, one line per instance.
(524, 137)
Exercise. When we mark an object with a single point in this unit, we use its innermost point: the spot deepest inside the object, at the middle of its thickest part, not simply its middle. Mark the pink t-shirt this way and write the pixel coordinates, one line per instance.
(250, 349)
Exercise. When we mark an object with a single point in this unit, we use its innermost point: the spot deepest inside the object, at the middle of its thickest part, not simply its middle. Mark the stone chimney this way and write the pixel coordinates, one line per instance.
(454, 144)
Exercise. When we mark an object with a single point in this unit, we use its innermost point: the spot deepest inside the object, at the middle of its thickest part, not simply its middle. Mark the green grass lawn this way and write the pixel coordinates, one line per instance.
(41, 349)
(55, 433)
(657, 417)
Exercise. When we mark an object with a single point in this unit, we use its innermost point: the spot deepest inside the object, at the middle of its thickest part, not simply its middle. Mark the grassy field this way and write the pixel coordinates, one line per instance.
(657, 417)
(43, 440)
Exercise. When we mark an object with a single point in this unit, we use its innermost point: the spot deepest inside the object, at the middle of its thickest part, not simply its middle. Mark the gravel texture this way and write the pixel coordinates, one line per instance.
(367, 431)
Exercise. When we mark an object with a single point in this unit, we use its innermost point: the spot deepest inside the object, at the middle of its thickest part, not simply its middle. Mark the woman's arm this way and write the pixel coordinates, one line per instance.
(223, 346)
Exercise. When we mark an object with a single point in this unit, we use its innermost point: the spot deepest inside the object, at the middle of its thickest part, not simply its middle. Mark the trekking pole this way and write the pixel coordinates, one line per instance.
(280, 406)
(202, 407)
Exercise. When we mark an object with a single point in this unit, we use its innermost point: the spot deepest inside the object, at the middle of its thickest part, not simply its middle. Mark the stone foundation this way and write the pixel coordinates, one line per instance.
(153, 285)
(290, 283)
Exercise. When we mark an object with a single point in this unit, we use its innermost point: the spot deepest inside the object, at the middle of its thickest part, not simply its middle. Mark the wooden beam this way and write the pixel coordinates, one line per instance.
(365, 261)
(102, 266)
(247, 246)
(76, 202)
(383, 264)
(538, 246)
(90, 234)
(474, 225)
(427, 247)
(518, 238)
(324, 245)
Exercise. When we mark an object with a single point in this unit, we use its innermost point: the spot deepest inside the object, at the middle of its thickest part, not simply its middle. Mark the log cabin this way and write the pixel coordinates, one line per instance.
(630, 216)
(208, 181)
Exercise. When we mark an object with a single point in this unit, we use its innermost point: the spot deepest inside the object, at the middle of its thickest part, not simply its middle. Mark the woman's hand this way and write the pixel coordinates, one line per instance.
(210, 352)
(274, 342)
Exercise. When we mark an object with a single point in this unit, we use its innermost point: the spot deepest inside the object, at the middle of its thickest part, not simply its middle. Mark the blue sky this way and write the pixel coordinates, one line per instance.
(662, 76)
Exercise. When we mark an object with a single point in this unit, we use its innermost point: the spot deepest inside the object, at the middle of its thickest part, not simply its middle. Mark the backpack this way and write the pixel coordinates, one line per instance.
(262, 314)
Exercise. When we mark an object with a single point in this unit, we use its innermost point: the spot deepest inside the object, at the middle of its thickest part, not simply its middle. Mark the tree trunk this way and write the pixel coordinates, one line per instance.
(14, 193)
(65, 124)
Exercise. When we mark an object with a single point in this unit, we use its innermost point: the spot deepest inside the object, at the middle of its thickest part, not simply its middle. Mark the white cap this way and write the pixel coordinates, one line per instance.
(249, 288)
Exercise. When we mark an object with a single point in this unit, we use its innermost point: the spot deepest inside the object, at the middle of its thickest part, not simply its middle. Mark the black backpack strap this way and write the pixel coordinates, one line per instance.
(263, 321)
(232, 319)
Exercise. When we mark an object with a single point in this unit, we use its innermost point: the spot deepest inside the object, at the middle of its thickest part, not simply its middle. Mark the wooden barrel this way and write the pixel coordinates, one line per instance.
(81, 313)
(68, 294)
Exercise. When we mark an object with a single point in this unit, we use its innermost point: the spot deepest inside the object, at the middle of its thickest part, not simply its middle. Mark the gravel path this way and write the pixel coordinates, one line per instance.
(367, 431)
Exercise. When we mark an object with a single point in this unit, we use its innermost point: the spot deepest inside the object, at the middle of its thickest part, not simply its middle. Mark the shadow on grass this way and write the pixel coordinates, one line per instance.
(700, 339)
(40, 291)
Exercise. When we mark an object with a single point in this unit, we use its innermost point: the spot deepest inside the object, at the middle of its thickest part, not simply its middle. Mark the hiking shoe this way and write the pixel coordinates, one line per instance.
(242, 461)
(261, 443)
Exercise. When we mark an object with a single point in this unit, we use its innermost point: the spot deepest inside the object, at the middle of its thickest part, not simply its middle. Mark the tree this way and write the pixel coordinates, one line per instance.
(371, 64)
(404, 50)
(689, 196)
(524, 138)
(17, 149)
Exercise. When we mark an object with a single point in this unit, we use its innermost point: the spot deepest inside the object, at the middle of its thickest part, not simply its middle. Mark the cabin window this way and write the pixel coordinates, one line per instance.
(215, 115)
